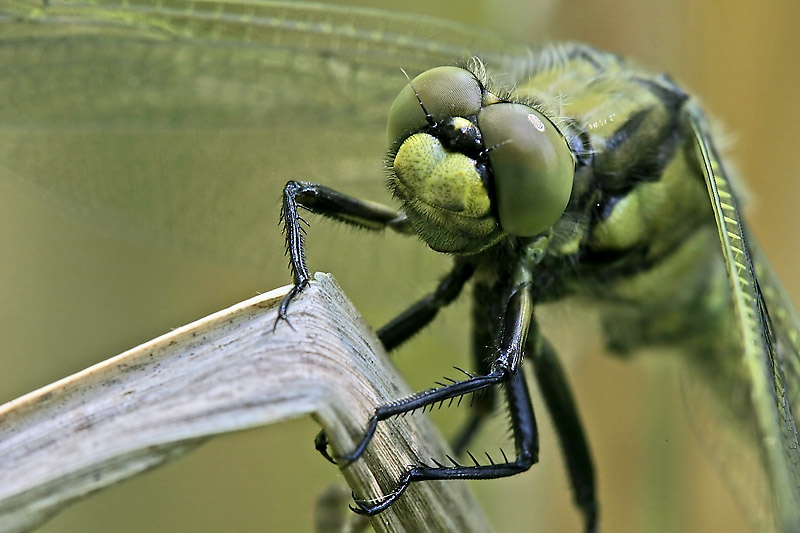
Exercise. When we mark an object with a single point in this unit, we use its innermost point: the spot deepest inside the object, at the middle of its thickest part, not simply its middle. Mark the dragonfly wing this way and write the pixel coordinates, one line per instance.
(179, 122)
(785, 327)
(764, 353)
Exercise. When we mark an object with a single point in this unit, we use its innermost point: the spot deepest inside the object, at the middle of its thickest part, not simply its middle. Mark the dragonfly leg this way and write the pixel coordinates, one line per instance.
(420, 314)
(420, 401)
(332, 204)
(412, 320)
(337, 206)
(405, 405)
(505, 369)
(526, 443)
(564, 413)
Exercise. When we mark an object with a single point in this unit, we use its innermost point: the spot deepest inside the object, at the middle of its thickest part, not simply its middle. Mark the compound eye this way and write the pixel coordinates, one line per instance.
(444, 91)
(532, 165)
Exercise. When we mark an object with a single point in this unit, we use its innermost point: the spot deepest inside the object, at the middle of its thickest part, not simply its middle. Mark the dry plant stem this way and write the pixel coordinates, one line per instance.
(227, 372)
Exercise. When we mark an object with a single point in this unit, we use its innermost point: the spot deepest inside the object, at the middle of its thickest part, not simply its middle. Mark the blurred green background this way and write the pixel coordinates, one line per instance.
(94, 262)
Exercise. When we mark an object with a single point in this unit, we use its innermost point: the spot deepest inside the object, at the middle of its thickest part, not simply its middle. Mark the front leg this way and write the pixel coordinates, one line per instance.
(332, 204)
(506, 369)
(526, 439)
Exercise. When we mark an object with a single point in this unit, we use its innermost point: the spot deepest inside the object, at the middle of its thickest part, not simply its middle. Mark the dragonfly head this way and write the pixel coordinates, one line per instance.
(471, 168)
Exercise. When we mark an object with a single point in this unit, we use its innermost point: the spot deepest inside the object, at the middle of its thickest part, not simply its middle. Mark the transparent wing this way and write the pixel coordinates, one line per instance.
(785, 327)
(768, 335)
(179, 121)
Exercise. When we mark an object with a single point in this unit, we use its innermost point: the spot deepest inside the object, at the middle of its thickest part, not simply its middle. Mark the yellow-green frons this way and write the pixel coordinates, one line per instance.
(441, 178)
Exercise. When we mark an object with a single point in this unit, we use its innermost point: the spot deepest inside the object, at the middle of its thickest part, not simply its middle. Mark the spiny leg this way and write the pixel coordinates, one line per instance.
(506, 369)
(512, 333)
(420, 401)
(526, 440)
(337, 206)
(332, 204)
(558, 396)
(412, 320)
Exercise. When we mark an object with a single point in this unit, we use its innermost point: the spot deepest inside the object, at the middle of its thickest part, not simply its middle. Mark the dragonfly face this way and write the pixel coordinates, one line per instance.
(446, 149)
(176, 128)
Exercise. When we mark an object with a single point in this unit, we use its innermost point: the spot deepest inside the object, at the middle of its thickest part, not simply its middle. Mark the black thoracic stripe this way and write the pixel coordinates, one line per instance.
(590, 56)
(616, 176)
(624, 136)
(672, 96)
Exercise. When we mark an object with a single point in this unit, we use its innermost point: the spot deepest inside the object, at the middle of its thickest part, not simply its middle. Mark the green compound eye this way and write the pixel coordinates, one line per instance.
(533, 167)
(444, 91)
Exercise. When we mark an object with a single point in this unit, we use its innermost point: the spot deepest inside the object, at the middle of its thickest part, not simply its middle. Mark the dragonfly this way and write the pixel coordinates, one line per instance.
(556, 188)
(219, 72)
